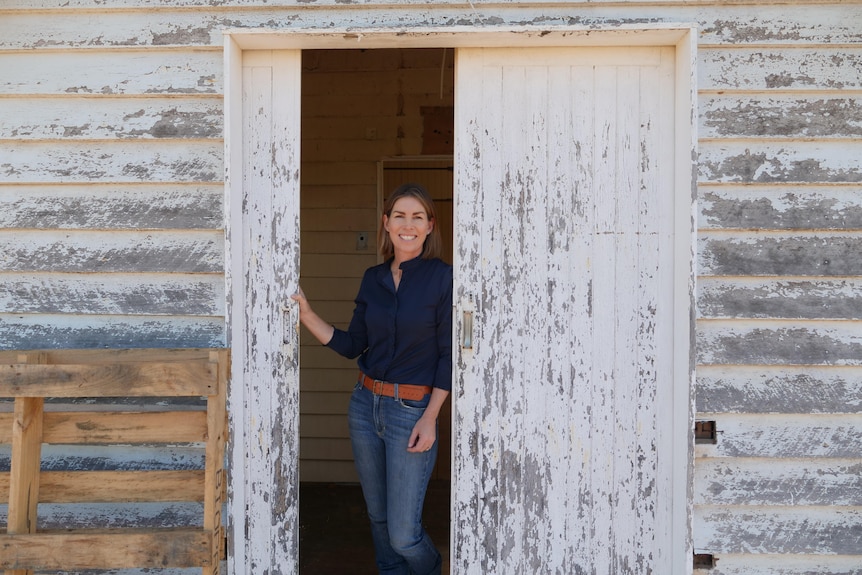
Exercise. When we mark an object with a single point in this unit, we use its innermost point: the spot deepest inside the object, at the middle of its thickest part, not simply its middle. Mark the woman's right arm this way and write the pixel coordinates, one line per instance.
(318, 327)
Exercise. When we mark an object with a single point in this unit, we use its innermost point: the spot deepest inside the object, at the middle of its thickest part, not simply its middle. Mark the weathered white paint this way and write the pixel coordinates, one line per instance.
(516, 551)
(263, 240)
(566, 259)
(770, 42)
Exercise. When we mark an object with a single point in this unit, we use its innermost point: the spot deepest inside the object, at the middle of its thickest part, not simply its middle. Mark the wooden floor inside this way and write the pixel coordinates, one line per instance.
(334, 536)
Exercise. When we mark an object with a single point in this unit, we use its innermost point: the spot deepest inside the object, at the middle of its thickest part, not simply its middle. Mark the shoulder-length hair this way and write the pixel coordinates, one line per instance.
(433, 246)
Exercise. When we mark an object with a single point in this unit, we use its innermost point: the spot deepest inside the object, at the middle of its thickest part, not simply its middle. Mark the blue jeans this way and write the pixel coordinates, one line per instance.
(393, 481)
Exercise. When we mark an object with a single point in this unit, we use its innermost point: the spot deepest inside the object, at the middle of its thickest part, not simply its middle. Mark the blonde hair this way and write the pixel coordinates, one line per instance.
(433, 246)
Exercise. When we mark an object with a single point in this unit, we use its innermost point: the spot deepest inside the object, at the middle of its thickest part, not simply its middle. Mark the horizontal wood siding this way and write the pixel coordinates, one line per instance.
(111, 208)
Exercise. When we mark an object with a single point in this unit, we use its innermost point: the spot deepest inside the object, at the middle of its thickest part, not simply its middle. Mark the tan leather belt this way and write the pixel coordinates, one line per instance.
(405, 390)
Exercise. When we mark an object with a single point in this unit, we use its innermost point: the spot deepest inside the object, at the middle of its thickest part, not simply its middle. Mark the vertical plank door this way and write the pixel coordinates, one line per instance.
(263, 242)
(565, 280)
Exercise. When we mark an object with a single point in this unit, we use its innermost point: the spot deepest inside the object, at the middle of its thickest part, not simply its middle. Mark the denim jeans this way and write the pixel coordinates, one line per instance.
(393, 481)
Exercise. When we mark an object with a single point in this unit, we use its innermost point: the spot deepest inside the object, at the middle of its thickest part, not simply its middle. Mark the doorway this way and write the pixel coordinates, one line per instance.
(527, 151)
(371, 120)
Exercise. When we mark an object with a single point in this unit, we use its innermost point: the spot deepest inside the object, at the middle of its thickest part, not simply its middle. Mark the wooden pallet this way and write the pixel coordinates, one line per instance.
(31, 376)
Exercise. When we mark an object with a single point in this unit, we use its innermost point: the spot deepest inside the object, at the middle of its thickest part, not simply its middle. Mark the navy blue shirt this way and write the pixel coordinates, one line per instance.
(404, 336)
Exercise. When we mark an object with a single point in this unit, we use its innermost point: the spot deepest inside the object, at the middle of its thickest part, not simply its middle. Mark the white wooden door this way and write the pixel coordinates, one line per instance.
(565, 312)
(263, 246)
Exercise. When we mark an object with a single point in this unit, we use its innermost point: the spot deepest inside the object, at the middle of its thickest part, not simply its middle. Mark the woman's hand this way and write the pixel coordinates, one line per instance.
(313, 322)
(424, 434)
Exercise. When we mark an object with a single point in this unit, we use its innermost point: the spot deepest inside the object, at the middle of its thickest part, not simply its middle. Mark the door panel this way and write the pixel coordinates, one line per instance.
(564, 263)
(264, 393)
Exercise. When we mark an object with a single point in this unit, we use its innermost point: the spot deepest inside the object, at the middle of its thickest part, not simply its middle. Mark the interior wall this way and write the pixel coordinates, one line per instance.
(358, 108)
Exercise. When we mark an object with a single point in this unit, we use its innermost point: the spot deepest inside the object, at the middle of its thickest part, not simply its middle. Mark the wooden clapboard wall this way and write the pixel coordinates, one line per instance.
(111, 208)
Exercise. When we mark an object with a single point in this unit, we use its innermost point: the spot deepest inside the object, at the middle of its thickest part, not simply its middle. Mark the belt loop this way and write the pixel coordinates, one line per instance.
(396, 393)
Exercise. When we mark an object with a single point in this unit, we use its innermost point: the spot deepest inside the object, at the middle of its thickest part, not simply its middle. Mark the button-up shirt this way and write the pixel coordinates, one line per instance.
(403, 335)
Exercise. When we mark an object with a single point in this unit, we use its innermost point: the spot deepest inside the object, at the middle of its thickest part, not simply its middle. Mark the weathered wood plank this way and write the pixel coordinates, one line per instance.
(112, 206)
(755, 482)
(188, 251)
(107, 72)
(719, 23)
(120, 161)
(778, 68)
(779, 116)
(74, 331)
(91, 550)
(779, 436)
(815, 162)
(776, 342)
(801, 254)
(780, 207)
(107, 380)
(117, 486)
(782, 530)
(76, 118)
(754, 298)
(24, 473)
(790, 390)
(782, 564)
(167, 515)
(113, 294)
(215, 476)
(113, 356)
(126, 458)
(69, 427)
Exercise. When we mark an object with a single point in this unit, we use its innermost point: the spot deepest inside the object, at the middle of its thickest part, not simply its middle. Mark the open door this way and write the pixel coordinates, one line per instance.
(263, 246)
(569, 324)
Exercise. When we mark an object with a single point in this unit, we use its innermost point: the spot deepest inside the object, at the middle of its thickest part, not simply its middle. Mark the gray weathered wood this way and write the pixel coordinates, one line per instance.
(133, 161)
(112, 206)
(777, 342)
(120, 251)
(801, 69)
(744, 563)
(101, 118)
(817, 162)
(779, 116)
(783, 530)
(719, 22)
(786, 254)
(46, 331)
(734, 297)
(779, 436)
(780, 207)
(823, 482)
(791, 390)
(106, 72)
(114, 294)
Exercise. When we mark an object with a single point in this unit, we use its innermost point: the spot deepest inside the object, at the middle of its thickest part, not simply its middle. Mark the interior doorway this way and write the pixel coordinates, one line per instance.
(371, 120)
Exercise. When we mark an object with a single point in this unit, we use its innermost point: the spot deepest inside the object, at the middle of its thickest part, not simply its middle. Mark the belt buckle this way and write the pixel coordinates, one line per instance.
(374, 387)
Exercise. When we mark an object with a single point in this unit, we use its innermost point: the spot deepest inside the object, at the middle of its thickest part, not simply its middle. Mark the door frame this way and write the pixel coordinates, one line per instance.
(681, 36)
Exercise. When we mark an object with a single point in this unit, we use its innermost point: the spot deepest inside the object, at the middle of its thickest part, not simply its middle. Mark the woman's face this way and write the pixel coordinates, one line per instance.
(408, 226)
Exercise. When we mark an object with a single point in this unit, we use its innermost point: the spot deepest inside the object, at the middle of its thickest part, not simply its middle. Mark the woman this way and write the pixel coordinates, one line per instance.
(402, 332)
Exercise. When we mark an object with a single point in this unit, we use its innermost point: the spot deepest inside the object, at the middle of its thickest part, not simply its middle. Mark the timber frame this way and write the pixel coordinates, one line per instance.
(681, 36)
(32, 376)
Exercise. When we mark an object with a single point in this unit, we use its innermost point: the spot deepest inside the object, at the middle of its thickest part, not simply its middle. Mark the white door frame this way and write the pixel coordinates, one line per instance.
(681, 36)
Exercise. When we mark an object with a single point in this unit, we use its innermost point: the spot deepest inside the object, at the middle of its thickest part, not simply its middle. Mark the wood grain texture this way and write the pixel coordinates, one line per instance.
(86, 550)
(81, 428)
(778, 389)
(780, 207)
(112, 206)
(769, 298)
(97, 331)
(117, 251)
(114, 161)
(529, 274)
(106, 72)
(117, 486)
